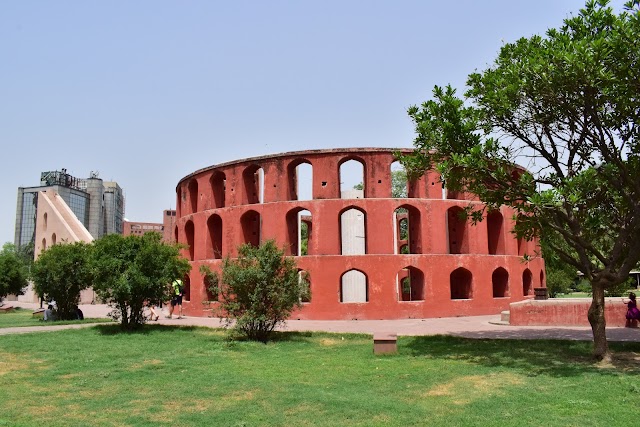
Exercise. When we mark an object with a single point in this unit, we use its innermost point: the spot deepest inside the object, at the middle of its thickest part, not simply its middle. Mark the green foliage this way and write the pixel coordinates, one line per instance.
(13, 271)
(304, 238)
(566, 107)
(258, 290)
(60, 273)
(130, 271)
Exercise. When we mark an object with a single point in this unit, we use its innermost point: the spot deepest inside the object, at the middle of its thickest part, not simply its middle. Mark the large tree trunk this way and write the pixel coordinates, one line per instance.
(598, 324)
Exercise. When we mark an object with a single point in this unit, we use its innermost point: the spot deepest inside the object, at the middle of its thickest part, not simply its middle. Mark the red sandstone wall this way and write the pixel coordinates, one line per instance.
(218, 209)
(564, 312)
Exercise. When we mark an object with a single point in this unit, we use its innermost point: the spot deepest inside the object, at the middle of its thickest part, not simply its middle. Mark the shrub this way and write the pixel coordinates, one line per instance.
(258, 290)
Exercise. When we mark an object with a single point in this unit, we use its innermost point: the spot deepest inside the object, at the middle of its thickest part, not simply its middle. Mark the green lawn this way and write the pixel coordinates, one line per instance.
(23, 317)
(170, 376)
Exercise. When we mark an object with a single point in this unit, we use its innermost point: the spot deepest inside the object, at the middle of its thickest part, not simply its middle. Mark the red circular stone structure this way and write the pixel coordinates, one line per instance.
(371, 256)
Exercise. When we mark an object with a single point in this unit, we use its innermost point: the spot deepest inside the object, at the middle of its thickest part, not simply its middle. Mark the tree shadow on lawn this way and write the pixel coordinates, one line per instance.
(558, 358)
(116, 329)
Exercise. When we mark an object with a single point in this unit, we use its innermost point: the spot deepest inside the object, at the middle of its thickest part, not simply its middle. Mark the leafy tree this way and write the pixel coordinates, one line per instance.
(13, 272)
(60, 273)
(258, 290)
(566, 107)
(129, 271)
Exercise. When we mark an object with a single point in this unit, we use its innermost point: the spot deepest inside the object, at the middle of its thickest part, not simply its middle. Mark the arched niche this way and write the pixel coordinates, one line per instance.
(218, 183)
(399, 183)
(250, 222)
(214, 234)
(527, 282)
(457, 231)
(305, 279)
(53, 239)
(460, 281)
(189, 232)
(298, 231)
(542, 284)
(45, 220)
(300, 179)
(253, 179)
(353, 229)
(495, 233)
(186, 293)
(352, 178)
(354, 287)
(193, 195)
(407, 228)
(500, 283)
(410, 281)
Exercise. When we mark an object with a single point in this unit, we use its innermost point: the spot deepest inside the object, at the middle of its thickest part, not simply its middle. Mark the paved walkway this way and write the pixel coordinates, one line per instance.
(470, 327)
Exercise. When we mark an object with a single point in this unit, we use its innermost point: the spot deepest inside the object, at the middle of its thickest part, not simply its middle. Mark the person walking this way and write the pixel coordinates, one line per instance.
(176, 298)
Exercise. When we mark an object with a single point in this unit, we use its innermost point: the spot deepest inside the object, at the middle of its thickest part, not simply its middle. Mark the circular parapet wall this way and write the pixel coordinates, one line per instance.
(367, 254)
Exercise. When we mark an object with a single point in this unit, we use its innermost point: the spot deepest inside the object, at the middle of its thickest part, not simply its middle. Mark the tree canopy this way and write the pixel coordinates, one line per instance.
(551, 129)
(134, 270)
(60, 273)
(13, 271)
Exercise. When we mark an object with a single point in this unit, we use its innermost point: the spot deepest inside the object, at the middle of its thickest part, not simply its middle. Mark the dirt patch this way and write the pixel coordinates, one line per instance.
(464, 390)
(12, 363)
(626, 361)
(152, 362)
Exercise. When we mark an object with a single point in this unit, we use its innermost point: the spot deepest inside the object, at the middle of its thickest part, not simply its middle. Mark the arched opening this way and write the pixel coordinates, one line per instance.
(298, 231)
(218, 188)
(410, 281)
(354, 287)
(179, 202)
(399, 183)
(495, 233)
(352, 183)
(175, 234)
(460, 281)
(53, 239)
(250, 223)
(253, 178)
(189, 232)
(408, 234)
(214, 228)
(353, 232)
(44, 244)
(305, 280)
(45, 218)
(527, 286)
(211, 295)
(542, 284)
(500, 281)
(186, 293)
(300, 178)
(193, 195)
(457, 226)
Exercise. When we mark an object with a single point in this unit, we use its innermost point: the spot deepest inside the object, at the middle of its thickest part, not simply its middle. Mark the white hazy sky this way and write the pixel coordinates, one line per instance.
(148, 91)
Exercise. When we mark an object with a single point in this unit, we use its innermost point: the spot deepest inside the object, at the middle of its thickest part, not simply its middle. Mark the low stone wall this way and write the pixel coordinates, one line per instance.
(565, 312)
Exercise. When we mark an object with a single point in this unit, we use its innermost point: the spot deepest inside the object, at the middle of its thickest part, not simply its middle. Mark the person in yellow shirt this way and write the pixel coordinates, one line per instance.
(176, 298)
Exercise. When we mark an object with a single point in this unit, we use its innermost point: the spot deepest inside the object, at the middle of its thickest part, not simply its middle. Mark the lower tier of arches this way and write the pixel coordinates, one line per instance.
(374, 287)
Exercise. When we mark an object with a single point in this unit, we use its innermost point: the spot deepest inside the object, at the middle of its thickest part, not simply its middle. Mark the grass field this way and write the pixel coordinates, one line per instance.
(170, 376)
(23, 317)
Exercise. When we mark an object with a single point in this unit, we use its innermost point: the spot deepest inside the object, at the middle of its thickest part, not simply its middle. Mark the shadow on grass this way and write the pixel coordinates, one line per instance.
(116, 329)
(536, 357)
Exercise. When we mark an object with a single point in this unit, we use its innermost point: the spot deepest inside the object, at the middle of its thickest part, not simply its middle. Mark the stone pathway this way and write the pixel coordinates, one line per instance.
(470, 327)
